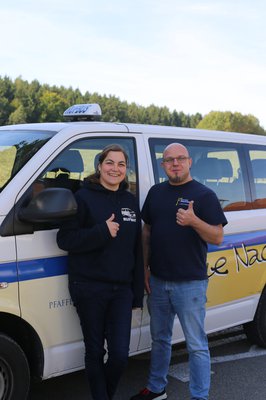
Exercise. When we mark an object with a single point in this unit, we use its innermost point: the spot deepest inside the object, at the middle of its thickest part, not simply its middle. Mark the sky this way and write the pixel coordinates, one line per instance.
(188, 55)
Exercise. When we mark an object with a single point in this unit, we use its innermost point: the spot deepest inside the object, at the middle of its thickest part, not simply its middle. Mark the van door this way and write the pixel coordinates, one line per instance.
(42, 266)
(236, 276)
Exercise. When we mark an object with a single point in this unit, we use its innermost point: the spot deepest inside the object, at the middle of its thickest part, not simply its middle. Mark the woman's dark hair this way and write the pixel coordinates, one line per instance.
(95, 177)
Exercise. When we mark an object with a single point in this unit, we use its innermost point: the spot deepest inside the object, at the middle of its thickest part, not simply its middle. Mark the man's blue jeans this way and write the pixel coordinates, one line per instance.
(187, 300)
(105, 311)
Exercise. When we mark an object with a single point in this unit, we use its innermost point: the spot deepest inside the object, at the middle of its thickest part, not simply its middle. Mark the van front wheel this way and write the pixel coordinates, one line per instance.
(256, 329)
(14, 370)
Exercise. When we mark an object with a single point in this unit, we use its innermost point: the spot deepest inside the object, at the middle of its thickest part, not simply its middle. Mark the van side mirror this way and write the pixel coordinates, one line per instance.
(48, 205)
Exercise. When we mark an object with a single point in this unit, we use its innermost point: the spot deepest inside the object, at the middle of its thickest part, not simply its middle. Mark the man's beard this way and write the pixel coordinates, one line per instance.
(175, 180)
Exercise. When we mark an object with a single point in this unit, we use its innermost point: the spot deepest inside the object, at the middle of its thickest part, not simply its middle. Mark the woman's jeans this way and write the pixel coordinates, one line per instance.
(187, 300)
(105, 311)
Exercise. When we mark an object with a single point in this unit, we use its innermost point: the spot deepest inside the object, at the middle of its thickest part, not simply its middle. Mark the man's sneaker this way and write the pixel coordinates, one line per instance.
(146, 394)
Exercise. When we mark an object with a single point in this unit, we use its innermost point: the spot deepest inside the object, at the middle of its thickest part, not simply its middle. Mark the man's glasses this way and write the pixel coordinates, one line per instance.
(171, 160)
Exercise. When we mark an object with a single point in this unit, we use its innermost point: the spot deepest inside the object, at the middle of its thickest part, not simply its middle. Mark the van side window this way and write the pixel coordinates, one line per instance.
(80, 159)
(220, 166)
(77, 161)
(258, 176)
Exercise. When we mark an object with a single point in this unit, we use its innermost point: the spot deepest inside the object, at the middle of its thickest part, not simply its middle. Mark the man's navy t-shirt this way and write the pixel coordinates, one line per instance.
(177, 252)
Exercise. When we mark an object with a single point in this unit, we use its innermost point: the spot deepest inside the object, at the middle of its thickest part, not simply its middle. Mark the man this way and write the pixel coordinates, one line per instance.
(181, 216)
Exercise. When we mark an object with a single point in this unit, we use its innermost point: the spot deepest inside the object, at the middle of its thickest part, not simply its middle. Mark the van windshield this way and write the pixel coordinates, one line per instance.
(16, 148)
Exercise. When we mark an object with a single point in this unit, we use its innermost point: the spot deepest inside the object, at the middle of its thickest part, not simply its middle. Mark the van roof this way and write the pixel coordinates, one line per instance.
(76, 127)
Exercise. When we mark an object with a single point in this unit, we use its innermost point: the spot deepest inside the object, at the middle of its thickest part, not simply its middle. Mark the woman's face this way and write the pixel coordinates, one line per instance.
(113, 170)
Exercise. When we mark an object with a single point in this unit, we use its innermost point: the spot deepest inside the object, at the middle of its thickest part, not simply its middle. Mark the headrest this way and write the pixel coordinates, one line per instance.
(226, 168)
(96, 161)
(213, 168)
(259, 167)
(70, 160)
(208, 168)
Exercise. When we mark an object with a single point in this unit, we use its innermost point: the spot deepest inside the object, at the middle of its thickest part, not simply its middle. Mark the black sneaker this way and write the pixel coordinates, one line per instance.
(146, 394)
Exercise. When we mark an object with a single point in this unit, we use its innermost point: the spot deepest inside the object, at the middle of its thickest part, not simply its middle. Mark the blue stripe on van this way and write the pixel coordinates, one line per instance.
(33, 269)
(236, 240)
(8, 272)
(55, 266)
(42, 268)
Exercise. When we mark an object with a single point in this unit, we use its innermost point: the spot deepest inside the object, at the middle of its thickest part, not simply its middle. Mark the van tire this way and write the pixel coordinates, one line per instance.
(14, 370)
(256, 329)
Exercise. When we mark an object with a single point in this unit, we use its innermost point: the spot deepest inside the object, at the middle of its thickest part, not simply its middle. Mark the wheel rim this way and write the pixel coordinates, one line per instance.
(6, 381)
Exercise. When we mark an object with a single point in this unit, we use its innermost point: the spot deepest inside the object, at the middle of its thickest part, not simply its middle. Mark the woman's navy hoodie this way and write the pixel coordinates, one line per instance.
(93, 254)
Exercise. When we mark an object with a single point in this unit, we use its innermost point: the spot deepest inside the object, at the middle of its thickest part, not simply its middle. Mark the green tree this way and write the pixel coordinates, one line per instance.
(195, 120)
(164, 116)
(114, 110)
(21, 101)
(231, 122)
(19, 116)
(52, 106)
(175, 119)
(134, 113)
(7, 90)
(26, 98)
(152, 115)
(72, 96)
(185, 119)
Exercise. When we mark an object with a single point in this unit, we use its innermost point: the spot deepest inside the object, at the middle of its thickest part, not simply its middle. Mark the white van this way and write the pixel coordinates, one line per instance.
(40, 334)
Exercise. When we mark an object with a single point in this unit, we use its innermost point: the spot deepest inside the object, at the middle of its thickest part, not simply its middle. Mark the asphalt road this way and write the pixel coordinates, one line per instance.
(238, 373)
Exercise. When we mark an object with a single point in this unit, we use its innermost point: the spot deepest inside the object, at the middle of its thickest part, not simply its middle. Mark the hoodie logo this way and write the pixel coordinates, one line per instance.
(128, 214)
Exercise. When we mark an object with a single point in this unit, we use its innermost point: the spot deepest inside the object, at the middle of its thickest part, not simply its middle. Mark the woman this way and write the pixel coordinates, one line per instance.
(105, 268)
